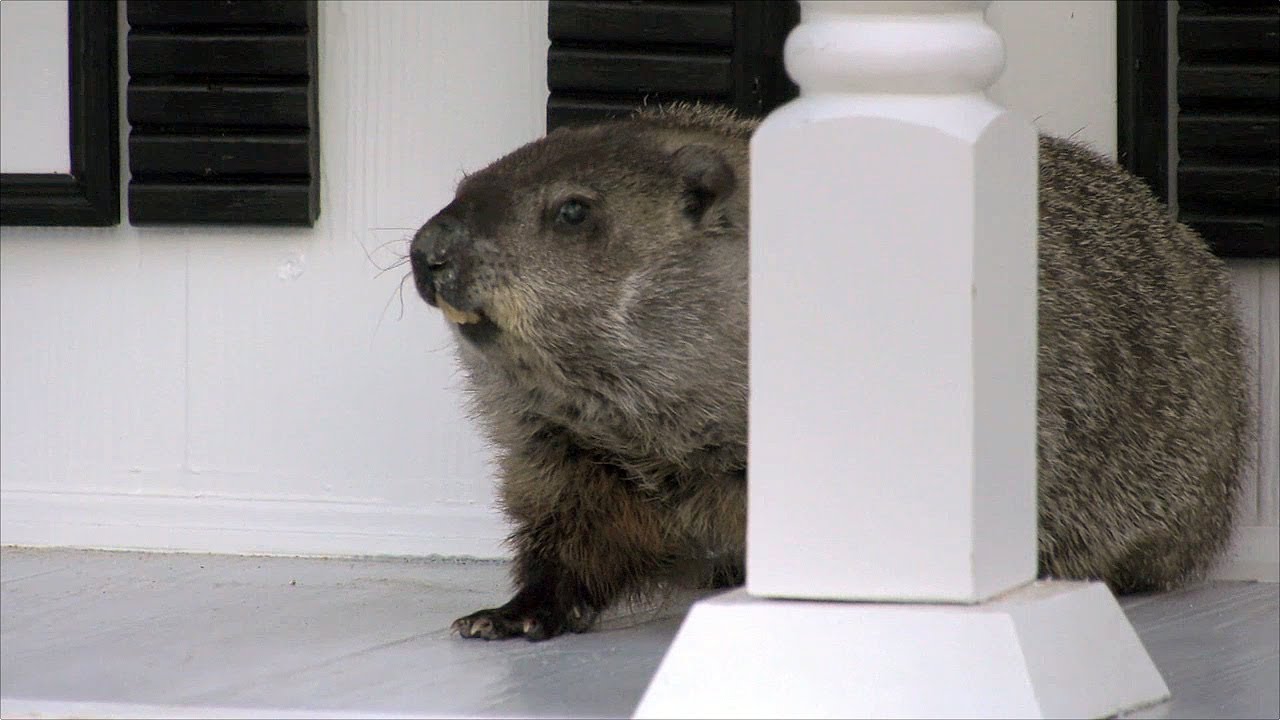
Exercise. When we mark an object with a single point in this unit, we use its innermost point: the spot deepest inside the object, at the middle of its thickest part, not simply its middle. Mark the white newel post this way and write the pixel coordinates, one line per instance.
(892, 427)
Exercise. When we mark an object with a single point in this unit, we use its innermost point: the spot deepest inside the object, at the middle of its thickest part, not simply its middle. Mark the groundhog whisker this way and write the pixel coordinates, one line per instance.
(398, 292)
(401, 257)
(406, 239)
(398, 263)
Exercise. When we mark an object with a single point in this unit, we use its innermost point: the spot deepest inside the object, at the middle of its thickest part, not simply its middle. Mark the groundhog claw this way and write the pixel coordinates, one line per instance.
(485, 625)
(502, 623)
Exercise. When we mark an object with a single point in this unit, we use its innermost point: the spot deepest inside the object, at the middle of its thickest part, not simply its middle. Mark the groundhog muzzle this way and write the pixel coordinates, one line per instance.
(596, 281)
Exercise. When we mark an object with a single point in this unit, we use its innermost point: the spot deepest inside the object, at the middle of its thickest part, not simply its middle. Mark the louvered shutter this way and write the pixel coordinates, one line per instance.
(1225, 125)
(223, 107)
(1228, 124)
(607, 58)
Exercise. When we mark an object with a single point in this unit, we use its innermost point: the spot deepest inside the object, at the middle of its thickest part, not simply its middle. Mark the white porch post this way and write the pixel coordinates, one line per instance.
(893, 314)
(892, 448)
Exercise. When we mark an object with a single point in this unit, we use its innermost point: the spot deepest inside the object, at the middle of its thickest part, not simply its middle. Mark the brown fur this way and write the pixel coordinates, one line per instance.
(609, 366)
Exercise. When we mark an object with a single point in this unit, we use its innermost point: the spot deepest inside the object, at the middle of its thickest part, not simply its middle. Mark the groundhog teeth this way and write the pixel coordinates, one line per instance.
(461, 317)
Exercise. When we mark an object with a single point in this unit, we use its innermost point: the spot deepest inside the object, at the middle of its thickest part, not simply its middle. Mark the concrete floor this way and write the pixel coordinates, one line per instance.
(96, 634)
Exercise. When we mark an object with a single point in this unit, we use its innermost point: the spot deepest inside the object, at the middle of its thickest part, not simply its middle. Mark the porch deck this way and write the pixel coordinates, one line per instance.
(112, 634)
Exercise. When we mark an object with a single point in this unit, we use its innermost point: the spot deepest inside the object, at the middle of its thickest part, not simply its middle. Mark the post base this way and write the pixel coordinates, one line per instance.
(1047, 649)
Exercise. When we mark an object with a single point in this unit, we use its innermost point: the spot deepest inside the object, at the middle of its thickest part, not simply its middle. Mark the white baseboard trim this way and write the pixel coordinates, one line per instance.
(26, 708)
(324, 528)
(246, 525)
(1254, 555)
(34, 708)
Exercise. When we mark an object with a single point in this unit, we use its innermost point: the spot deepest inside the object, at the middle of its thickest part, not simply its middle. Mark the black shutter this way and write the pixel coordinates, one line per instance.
(1227, 123)
(609, 57)
(222, 100)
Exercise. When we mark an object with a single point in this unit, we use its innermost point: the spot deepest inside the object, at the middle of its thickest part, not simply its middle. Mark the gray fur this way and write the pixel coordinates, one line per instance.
(609, 370)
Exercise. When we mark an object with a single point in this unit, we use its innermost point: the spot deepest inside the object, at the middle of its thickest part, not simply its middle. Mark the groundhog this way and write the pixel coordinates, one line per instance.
(596, 280)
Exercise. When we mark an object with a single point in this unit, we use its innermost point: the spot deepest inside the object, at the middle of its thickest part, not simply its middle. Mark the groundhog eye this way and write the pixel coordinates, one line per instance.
(572, 212)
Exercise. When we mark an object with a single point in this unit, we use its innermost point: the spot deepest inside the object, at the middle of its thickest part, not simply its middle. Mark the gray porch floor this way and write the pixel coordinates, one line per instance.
(99, 634)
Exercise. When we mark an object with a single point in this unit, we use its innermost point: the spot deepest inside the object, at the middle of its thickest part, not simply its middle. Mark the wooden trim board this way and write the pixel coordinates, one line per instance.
(324, 528)
(246, 525)
(1254, 555)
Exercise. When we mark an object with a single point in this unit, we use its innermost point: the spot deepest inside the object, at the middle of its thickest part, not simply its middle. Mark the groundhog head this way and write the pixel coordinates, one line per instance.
(607, 245)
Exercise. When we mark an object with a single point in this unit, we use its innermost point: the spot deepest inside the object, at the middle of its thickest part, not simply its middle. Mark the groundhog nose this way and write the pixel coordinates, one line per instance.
(435, 243)
(436, 256)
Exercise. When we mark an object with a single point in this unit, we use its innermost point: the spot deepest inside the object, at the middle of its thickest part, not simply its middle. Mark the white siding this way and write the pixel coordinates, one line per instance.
(1256, 551)
(255, 389)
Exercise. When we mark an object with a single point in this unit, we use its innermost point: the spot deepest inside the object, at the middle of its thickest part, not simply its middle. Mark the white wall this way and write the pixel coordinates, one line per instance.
(1060, 66)
(249, 390)
(1255, 554)
(255, 389)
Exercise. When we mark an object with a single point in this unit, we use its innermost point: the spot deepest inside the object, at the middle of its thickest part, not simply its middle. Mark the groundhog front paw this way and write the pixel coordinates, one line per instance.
(534, 624)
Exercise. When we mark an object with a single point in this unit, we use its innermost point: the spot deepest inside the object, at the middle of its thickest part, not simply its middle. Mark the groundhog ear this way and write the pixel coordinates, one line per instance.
(706, 174)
